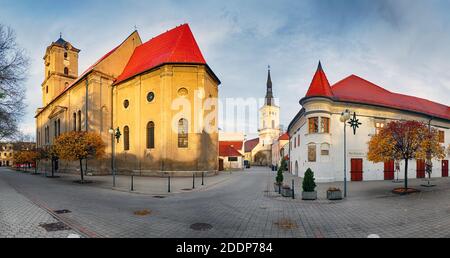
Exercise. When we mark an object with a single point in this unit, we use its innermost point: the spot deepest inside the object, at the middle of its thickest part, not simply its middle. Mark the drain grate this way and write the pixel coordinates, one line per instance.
(286, 223)
(143, 212)
(62, 211)
(201, 226)
(159, 196)
(186, 189)
(57, 226)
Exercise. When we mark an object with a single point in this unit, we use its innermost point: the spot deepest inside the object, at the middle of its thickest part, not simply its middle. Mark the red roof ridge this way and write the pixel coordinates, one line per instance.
(362, 79)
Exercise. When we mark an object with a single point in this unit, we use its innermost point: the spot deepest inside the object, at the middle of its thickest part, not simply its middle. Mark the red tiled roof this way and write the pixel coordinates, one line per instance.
(230, 149)
(250, 144)
(319, 87)
(358, 90)
(236, 144)
(174, 46)
(284, 137)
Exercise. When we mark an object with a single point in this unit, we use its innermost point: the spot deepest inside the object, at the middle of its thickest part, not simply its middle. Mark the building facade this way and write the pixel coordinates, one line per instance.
(280, 149)
(160, 95)
(7, 150)
(316, 134)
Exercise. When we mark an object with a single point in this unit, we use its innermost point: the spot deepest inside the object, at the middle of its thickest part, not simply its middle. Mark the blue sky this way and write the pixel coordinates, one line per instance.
(402, 45)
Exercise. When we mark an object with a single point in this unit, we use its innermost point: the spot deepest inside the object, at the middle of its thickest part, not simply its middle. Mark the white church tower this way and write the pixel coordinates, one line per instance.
(269, 118)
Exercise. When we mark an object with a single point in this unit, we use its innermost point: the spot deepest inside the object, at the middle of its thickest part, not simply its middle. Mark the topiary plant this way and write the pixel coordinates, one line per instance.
(308, 182)
(280, 178)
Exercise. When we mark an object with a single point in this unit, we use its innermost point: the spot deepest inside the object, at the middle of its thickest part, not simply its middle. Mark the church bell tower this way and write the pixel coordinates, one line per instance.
(269, 116)
(61, 69)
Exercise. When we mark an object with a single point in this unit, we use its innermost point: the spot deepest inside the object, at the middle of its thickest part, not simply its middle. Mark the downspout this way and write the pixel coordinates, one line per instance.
(86, 116)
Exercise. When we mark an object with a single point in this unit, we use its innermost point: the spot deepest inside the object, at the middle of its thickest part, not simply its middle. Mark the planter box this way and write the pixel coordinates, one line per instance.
(286, 192)
(276, 187)
(309, 195)
(334, 195)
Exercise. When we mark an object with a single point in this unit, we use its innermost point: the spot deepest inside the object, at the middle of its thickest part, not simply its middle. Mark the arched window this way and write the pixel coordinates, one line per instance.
(150, 135)
(126, 138)
(183, 129)
(46, 89)
(65, 55)
(66, 71)
(79, 120)
(74, 121)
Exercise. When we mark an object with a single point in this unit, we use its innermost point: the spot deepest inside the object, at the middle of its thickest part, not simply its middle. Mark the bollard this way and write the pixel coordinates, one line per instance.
(132, 182)
(293, 191)
(203, 175)
(168, 184)
(193, 180)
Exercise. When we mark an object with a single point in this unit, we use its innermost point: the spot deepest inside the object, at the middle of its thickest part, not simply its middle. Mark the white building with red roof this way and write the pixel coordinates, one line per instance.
(316, 134)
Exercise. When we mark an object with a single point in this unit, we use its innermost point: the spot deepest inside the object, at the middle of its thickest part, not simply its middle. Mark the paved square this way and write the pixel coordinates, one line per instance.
(243, 205)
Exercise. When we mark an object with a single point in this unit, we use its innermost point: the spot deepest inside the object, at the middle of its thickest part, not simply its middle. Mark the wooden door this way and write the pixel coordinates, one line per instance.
(389, 170)
(445, 168)
(221, 165)
(420, 168)
(356, 171)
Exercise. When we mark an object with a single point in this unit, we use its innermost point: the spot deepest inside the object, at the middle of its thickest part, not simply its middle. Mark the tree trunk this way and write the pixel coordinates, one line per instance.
(406, 173)
(81, 171)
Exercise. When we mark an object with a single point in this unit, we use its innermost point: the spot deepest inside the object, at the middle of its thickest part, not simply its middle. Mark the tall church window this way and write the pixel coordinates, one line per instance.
(183, 128)
(66, 71)
(74, 121)
(55, 133)
(59, 127)
(126, 138)
(79, 120)
(150, 135)
(313, 123)
(46, 89)
(324, 125)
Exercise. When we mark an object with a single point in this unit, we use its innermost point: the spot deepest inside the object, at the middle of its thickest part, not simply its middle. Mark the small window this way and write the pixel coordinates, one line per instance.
(150, 96)
(378, 127)
(313, 123)
(150, 135)
(232, 159)
(441, 137)
(311, 153)
(126, 103)
(66, 85)
(46, 89)
(65, 55)
(66, 71)
(183, 129)
(273, 124)
(126, 138)
(324, 125)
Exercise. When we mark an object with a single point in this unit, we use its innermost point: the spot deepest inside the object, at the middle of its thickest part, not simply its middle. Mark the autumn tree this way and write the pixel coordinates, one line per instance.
(405, 140)
(76, 146)
(18, 158)
(13, 68)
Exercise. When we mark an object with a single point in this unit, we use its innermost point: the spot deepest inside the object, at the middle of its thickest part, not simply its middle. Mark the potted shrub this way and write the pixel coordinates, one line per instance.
(286, 191)
(278, 181)
(334, 193)
(309, 186)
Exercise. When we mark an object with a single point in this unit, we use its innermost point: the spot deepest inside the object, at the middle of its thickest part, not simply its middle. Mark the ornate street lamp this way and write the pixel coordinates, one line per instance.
(114, 134)
(344, 117)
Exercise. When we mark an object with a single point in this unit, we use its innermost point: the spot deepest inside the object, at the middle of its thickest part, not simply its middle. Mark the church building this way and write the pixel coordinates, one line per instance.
(316, 133)
(258, 151)
(140, 89)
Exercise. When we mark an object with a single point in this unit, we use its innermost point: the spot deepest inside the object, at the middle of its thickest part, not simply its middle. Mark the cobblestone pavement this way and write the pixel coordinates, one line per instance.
(244, 206)
(21, 218)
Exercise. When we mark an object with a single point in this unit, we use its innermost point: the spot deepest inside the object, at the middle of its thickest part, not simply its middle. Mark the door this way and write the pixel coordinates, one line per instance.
(389, 170)
(221, 165)
(356, 171)
(445, 168)
(420, 168)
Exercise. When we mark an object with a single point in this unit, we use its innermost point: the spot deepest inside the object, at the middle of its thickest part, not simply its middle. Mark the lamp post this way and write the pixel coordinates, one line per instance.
(344, 117)
(114, 134)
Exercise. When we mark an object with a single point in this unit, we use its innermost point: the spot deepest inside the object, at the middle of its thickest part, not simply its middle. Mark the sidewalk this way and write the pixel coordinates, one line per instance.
(153, 185)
